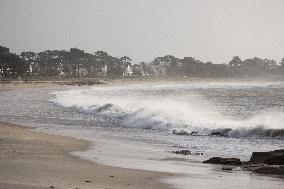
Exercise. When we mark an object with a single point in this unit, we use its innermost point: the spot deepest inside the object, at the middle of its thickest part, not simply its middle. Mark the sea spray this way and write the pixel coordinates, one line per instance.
(193, 107)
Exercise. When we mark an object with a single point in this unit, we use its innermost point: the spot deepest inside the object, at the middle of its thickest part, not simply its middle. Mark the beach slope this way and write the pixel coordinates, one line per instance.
(29, 159)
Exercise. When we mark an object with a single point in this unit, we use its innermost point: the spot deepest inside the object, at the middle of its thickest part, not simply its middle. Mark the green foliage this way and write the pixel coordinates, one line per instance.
(70, 63)
(11, 65)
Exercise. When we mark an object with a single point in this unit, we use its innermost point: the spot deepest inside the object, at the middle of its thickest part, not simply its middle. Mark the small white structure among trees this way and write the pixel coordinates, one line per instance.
(101, 72)
(128, 71)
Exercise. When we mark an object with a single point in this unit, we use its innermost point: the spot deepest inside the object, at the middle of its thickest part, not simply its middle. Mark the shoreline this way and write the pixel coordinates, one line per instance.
(73, 168)
(31, 159)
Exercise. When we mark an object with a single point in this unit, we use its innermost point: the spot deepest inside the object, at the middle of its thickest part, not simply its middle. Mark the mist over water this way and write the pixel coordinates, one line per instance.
(246, 108)
(124, 116)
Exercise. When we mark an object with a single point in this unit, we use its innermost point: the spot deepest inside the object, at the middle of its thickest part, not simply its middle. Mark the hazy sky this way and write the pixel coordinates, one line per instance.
(212, 30)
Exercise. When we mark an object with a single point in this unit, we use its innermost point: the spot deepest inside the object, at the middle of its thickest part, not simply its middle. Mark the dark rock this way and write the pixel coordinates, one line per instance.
(195, 133)
(250, 167)
(260, 162)
(180, 132)
(218, 133)
(275, 157)
(266, 162)
(87, 181)
(197, 154)
(51, 187)
(184, 132)
(182, 152)
(272, 170)
(279, 151)
(277, 160)
(224, 161)
(221, 132)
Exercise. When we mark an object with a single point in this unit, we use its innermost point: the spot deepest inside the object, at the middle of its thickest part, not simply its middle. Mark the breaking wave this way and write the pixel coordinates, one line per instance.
(168, 108)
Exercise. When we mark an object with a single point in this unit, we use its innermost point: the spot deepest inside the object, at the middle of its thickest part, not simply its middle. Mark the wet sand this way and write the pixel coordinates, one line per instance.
(29, 159)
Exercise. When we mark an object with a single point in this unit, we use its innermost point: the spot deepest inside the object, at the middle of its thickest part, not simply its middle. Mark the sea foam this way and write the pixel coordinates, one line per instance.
(169, 106)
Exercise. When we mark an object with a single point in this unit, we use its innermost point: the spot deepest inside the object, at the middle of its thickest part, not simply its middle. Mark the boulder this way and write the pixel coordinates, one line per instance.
(275, 157)
(182, 152)
(272, 170)
(266, 162)
(221, 132)
(197, 154)
(218, 133)
(260, 162)
(195, 133)
(276, 160)
(224, 161)
(180, 132)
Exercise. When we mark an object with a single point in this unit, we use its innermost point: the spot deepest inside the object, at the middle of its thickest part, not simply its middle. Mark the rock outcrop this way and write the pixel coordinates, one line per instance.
(275, 157)
(180, 132)
(224, 161)
(221, 132)
(260, 162)
(268, 169)
(182, 152)
(184, 132)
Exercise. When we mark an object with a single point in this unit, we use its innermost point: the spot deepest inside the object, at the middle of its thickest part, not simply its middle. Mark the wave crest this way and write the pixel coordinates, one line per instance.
(257, 131)
(170, 108)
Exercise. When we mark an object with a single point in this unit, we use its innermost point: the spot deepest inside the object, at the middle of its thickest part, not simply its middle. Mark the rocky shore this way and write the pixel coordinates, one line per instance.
(260, 162)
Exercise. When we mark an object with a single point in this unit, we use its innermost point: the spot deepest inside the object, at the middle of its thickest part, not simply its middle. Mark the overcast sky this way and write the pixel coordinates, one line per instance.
(212, 30)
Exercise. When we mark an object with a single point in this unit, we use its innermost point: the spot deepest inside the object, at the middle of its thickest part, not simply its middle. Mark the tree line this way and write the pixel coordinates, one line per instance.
(54, 63)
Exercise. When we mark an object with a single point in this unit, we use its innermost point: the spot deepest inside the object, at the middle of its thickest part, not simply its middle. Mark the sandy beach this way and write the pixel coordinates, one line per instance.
(31, 159)
(142, 94)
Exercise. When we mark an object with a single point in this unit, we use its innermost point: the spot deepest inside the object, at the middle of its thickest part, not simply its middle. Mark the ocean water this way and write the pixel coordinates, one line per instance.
(247, 109)
(131, 124)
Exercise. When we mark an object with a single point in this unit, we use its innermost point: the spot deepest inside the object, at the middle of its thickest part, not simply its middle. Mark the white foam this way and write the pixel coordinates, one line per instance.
(165, 106)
